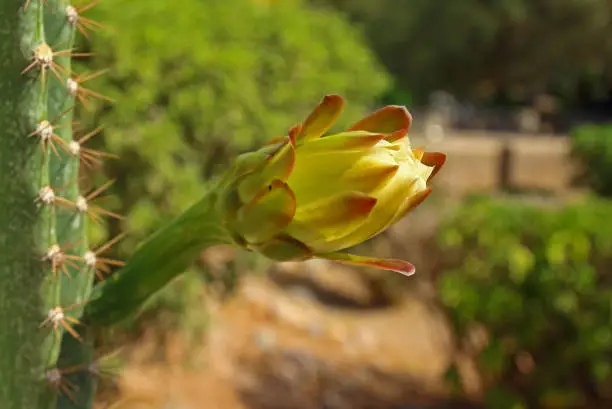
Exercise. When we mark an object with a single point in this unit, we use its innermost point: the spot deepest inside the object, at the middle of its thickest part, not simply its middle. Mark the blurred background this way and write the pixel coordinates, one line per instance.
(511, 306)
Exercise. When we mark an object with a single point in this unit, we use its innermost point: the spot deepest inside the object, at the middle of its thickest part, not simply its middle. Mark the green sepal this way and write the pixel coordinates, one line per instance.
(267, 214)
(230, 203)
(245, 163)
(284, 248)
(277, 166)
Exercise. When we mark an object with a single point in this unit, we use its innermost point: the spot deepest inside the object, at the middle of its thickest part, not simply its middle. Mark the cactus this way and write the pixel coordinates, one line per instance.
(46, 269)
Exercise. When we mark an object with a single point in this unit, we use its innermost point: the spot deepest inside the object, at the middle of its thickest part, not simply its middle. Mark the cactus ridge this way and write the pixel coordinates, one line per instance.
(49, 267)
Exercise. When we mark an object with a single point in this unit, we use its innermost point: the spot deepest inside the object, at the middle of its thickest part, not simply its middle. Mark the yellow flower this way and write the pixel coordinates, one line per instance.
(308, 195)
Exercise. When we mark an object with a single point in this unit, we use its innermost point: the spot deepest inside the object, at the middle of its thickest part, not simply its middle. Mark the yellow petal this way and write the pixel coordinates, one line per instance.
(346, 141)
(418, 152)
(330, 219)
(324, 174)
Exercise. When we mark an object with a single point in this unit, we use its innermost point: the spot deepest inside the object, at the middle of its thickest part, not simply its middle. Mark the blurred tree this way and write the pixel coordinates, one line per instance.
(196, 82)
(480, 49)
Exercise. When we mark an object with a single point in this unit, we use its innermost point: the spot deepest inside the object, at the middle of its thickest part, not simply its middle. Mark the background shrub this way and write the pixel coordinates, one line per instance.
(592, 146)
(540, 280)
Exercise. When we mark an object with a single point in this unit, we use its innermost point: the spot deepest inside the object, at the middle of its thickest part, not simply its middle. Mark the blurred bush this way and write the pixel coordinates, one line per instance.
(196, 82)
(592, 146)
(539, 280)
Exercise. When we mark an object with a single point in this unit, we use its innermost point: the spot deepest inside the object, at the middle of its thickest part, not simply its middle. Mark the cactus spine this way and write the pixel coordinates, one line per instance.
(46, 269)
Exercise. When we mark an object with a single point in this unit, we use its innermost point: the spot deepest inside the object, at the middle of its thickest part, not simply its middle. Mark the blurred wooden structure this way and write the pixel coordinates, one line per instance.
(489, 162)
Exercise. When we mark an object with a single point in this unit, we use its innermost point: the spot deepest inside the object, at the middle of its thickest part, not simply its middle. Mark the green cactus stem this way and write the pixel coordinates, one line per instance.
(29, 289)
(44, 271)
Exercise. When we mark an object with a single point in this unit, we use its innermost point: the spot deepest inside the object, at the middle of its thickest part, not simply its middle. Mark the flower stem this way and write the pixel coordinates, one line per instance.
(164, 256)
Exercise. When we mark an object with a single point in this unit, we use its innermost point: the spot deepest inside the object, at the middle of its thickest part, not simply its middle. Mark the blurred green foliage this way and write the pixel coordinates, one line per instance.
(540, 281)
(196, 82)
(592, 146)
(480, 49)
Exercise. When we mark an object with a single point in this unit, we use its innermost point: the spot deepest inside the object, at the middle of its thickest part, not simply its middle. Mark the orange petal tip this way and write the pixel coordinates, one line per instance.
(359, 204)
(435, 159)
(399, 266)
(389, 119)
(294, 132)
(416, 200)
(321, 118)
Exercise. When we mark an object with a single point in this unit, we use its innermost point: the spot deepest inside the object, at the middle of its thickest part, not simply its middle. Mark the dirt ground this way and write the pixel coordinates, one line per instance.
(306, 336)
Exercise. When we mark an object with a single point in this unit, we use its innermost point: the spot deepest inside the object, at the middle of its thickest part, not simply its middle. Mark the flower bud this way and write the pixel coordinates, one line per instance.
(308, 195)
